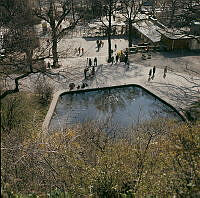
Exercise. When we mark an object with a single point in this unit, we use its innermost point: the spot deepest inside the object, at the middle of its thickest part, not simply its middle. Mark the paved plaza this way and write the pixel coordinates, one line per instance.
(179, 89)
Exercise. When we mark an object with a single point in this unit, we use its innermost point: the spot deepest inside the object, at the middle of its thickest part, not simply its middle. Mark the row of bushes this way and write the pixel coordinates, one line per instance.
(155, 159)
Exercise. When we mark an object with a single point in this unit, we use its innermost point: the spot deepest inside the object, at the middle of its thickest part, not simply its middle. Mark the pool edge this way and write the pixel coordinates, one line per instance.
(48, 117)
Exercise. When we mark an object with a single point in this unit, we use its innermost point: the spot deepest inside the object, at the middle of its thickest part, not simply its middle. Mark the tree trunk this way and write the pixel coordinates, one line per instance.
(109, 33)
(29, 56)
(54, 34)
(130, 41)
(54, 49)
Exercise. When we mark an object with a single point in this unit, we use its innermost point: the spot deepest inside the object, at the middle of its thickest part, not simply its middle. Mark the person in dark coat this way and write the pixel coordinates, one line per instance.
(71, 86)
(93, 71)
(126, 59)
(90, 62)
(95, 61)
(112, 60)
(150, 72)
(154, 70)
(85, 73)
(97, 43)
(165, 71)
(117, 58)
(115, 47)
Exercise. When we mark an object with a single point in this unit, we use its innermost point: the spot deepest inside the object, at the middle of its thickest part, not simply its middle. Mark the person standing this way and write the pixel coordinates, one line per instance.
(90, 62)
(117, 58)
(79, 50)
(165, 71)
(112, 60)
(154, 70)
(126, 59)
(85, 73)
(102, 43)
(150, 72)
(98, 46)
(87, 62)
(93, 71)
(95, 61)
(97, 43)
(115, 47)
(82, 51)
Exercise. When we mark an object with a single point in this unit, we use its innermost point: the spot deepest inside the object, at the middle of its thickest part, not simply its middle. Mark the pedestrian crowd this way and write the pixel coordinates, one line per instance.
(79, 51)
(100, 44)
(90, 68)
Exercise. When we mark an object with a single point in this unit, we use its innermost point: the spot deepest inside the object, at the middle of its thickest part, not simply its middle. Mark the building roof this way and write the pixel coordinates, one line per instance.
(176, 34)
(148, 29)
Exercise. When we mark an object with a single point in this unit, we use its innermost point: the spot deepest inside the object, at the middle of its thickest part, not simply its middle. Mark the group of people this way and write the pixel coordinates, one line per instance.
(79, 51)
(82, 86)
(153, 71)
(120, 56)
(100, 44)
(89, 65)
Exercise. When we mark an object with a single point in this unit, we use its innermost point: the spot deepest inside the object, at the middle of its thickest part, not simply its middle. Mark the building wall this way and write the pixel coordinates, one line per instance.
(174, 44)
(194, 44)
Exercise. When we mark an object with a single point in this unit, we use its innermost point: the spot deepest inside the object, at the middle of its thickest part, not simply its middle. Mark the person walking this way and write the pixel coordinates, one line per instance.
(154, 70)
(165, 71)
(82, 51)
(95, 61)
(117, 58)
(97, 43)
(79, 50)
(150, 72)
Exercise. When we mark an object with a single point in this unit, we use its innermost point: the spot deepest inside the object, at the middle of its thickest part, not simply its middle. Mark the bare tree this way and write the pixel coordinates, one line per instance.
(132, 9)
(54, 12)
(109, 6)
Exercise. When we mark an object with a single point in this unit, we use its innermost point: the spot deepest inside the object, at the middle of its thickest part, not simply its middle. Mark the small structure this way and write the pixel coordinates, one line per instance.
(174, 40)
(195, 28)
(147, 31)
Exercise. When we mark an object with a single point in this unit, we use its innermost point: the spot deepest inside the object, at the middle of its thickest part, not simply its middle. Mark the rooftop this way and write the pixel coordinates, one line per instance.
(149, 29)
(175, 34)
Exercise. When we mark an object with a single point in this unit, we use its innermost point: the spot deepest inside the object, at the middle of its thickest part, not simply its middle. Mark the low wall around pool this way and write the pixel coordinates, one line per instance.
(50, 113)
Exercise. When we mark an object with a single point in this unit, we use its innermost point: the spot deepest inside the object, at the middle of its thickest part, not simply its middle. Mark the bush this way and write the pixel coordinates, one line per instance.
(43, 89)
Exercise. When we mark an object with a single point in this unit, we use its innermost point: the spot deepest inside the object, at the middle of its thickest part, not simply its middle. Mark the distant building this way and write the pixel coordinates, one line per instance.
(147, 31)
(195, 28)
(174, 40)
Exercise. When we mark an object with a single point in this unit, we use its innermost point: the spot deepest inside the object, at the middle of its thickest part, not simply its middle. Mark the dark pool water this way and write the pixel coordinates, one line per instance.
(123, 106)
